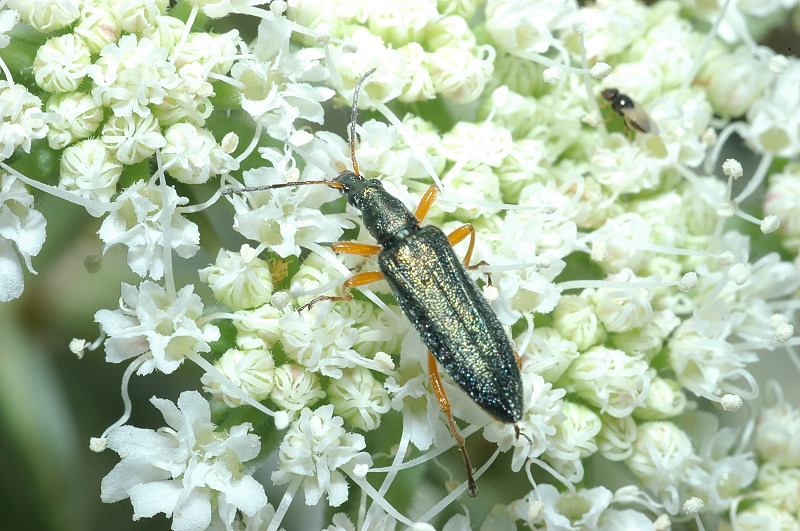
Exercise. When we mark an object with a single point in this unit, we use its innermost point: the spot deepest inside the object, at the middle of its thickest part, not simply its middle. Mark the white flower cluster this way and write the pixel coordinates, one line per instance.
(638, 283)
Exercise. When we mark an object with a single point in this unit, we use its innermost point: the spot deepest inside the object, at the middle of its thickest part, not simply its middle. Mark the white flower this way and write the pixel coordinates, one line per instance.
(287, 218)
(192, 156)
(573, 511)
(22, 226)
(139, 224)
(410, 396)
(521, 27)
(47, 15)
(622, 310)
(60, 63)
(320, 340)
(132, 74)
(648, 340)
(548, 354)
(778, 435)
(97, 27)
(764, 515)
(723, 471)
(314, 449)
(735, 80)
(476, 145)
(615, 440)
(780, 486)
(215, 53)
(276, 89)
(150, 321)
(664, 399)
(576, 320)
(186, 469)
(703, 361)
(575, 438)
(8, 19)
(239, 280)
(80, 118)
(608, 29)
(615, 247)
(221, 8)
(419, 85)
(189, 102)
(21, 120)
(772, 129)
(135, 15)
(400, 22)
(611, 380)
(783, 200)
(250, 370)
(359, 398)
(295, 388)
(540, 419)
(662, 454)
(459, 74)
(623, 520)
(90, 170)
(133, 138)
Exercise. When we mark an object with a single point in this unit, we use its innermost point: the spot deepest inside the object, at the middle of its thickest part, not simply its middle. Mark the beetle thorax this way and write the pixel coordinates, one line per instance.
(384, 215)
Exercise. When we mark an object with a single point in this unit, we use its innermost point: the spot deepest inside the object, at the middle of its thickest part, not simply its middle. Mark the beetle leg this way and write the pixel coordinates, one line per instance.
(425, 203)
(362, 249)
(457, 236)
(356, 280)
(444, 404)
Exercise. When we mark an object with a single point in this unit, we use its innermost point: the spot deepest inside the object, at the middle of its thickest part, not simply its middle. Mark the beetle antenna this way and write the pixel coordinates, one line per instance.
(354, 119)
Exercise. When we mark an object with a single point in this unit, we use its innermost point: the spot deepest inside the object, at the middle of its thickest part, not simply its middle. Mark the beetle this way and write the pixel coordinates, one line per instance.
(633, 113)
(434, 290)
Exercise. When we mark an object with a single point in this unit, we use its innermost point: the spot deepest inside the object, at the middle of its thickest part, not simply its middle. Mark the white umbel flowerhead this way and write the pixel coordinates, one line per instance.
(186, 470)
(314, 448)
(150, 321)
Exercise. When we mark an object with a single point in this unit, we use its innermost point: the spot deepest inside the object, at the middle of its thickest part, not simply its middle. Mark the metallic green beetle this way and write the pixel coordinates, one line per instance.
(435, 292)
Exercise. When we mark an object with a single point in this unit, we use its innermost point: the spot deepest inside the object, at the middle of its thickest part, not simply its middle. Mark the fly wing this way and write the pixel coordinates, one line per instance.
(454, 320)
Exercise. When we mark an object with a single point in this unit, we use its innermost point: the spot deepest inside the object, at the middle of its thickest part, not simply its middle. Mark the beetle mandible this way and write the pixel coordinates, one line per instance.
(434, 290)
